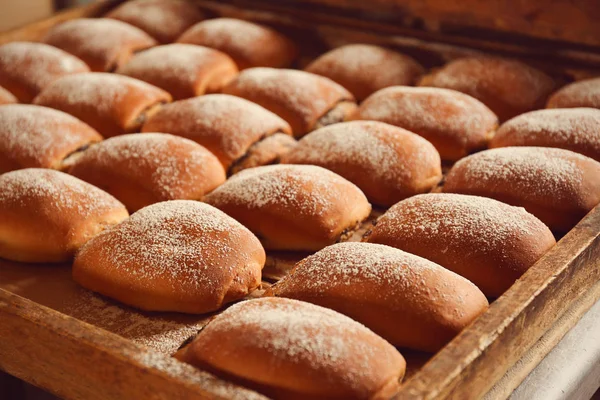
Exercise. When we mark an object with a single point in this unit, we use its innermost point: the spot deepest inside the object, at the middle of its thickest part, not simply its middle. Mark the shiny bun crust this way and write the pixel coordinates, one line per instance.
(179, 255)
(364, 69)
(584, 93)
(410, 301)
(558, 186)
(6, 97)
(112, 104)
(47, 215)
(142, 169)
(39, 137)
(289, 349)
(488, 242)
(386, 162)
(292, 207)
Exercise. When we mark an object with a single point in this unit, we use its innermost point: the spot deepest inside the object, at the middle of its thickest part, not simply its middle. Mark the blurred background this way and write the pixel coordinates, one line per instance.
(14, 13)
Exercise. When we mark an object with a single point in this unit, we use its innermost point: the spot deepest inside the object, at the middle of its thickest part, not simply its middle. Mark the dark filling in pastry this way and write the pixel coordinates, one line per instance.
(268, 150)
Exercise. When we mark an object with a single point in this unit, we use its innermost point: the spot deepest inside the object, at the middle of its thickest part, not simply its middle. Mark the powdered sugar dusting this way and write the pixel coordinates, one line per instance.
(584, 93)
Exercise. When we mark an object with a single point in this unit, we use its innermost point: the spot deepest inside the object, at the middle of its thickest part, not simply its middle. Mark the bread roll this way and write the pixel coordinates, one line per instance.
(226, 125)
(249, 44)
(39, 137)
(268, 151)
(103, 44)
(47, 215)
(292, 207)
(387, 163)
(292, 350)
(306, 101)
(584, 93)
(112, 104)
(164, 20)
(558, 186)
(26, 68)
(507, 87)
(575, 129)
(488, 242)
(6, 97)
(182, 69)
(179, 255)
(364, 69)
(456, 124)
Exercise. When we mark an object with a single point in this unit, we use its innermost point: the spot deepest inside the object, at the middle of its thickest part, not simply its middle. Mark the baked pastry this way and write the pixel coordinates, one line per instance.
(292, 350)
(26, 68)
(292, 207)
(488, 242)
(410, 301)
(179, 255)
(507, 87)
(7, 97)
(112, 104)
(142, 169)
(268, 151)
(164, 20)
(455, 123)
(226, 125)
(39, 137)
(103, 44)
(575, 129)
(364, 69)
(306, 101)
(558, 186)
(47, 215)
(249, 44)
(584, 93)
(386, 162)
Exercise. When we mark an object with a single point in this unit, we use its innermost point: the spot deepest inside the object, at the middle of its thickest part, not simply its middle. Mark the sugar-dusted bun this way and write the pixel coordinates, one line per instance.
(488, 242)
(584, 93)
(364, 69)
(142, 169)
(455, 123)
(289, 349)
(39, 137)
(268, 151)
(306, 101)
(26, 67)
(292, 207)
(575, 129)
(507, 87)
(7, 97)
(226, 125)
(112, 104)
(103, 44)
(386, 162)
(183, 70)
(47, 215)
(164, 20)
(179, 255)
(249, 44)
(558, 186)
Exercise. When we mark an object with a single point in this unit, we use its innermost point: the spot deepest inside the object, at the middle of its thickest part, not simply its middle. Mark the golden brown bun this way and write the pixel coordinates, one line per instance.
(268, 151)
(386, 162)
(7, 97)
(47, 215)
(142, 169)
(558, 186)
(410, 301)
(249, 44)
(456, 124)
(110, 103)
(575, 129)
(584, 93)
(291, 350)
(103, 44)
(39, 137)
(364, 69)
(488, 242)
(507, 87)
(26, 68)
(164, 20)
(292, 207)
(179, 255)
(225, 125)
(181, 69)
(299, 97)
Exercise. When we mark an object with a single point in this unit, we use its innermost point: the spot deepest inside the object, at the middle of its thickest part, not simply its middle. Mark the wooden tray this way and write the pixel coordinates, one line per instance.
(79, 345)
